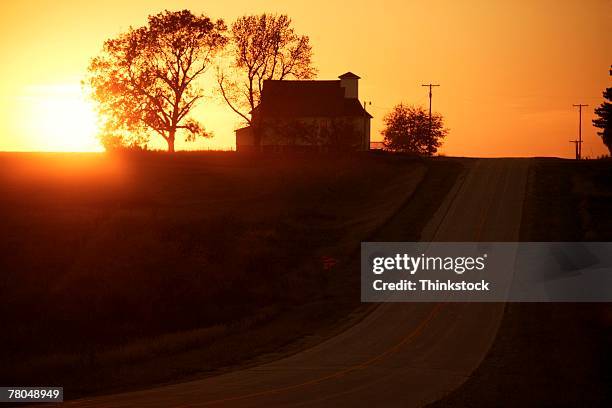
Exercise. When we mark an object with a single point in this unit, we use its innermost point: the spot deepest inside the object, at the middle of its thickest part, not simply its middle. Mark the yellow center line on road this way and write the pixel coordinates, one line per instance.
(478, 232)
(433, 313)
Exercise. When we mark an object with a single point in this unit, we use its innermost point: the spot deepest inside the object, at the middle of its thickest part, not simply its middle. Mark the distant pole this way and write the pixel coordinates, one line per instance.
(430, 95)
(579, 141)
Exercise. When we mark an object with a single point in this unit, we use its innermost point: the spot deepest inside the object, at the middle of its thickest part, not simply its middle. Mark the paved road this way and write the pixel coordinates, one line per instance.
(401, 354)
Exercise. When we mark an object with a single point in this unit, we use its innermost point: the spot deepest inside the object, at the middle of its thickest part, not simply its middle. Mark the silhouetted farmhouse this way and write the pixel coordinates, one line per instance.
(308, 115)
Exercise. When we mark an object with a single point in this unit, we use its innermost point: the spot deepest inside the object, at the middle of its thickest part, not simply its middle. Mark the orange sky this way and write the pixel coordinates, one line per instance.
(509, 70)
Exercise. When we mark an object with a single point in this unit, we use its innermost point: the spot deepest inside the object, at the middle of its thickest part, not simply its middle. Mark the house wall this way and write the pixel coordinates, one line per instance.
(285, 132)
(312, 132)
(305, 134)
(362, 126)
(368, 123)
(245, 140)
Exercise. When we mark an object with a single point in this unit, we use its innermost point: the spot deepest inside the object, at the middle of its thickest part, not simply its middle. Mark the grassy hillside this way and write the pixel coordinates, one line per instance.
(123, 271)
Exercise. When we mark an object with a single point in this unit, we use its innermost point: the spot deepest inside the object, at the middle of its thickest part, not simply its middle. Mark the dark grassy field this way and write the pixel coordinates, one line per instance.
(120, 272)
(553, 354)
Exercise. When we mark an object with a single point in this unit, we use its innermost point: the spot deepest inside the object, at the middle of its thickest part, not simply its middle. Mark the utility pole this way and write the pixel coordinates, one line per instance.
(578, 143)
(430, 94)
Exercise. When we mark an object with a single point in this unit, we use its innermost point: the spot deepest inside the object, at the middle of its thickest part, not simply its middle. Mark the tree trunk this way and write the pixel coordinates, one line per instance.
(170, 141)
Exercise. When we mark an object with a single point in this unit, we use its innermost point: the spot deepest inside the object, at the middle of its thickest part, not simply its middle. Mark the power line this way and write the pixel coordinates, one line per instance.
(430, 85)
(578, 143)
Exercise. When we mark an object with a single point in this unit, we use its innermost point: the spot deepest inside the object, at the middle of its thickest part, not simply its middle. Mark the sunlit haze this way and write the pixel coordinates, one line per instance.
(509, 70)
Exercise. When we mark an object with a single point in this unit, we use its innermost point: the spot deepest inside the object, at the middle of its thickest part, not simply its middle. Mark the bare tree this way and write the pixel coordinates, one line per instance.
(146, 79)
(262, 47)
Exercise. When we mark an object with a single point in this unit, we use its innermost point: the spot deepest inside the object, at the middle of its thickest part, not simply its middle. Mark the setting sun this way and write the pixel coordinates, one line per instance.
(61, 118)
(316, 203)
(508, 78)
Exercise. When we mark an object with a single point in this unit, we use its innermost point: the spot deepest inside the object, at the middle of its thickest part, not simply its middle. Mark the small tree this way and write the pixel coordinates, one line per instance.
(116, 142)
(408, 129)
(146, 79)
(604, 121)
(262, 47)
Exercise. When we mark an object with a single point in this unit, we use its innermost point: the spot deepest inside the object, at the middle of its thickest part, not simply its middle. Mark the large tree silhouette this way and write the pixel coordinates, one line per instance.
(407, 129)
(262, 47)
(604, 121)
(145, 80)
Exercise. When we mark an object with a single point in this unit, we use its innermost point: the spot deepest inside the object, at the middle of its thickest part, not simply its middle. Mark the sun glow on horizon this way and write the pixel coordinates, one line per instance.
(59, 118)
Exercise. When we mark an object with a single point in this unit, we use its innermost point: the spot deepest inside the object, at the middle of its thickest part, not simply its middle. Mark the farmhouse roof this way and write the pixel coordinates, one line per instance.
(293, 99)
(349, 75)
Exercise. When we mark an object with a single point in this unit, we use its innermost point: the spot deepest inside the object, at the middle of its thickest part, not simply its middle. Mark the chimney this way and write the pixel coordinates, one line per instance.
(349, 82)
